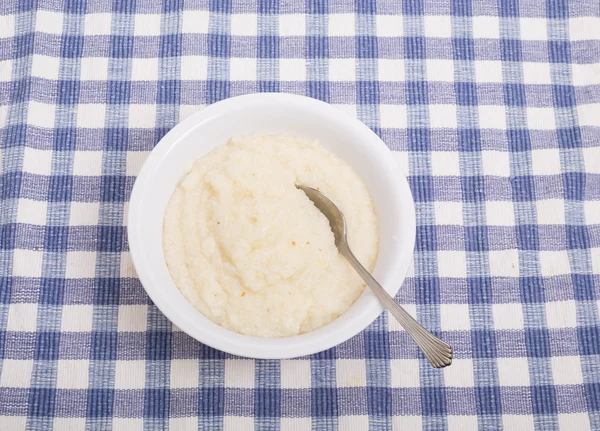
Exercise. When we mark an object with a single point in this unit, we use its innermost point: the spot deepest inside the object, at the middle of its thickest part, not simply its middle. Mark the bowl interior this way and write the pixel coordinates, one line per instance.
(266, 114)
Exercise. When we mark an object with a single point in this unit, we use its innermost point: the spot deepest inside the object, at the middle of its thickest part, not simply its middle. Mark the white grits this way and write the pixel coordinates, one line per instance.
(251, 252)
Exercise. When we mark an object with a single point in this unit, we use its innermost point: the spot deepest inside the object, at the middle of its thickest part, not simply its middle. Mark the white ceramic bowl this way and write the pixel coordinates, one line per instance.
(270, 113)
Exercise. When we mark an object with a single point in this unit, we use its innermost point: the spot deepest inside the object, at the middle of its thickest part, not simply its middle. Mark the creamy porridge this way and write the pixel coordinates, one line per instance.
(251, 252)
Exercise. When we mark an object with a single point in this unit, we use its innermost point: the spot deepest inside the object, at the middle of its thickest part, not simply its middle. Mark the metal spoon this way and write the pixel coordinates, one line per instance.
(438, 353)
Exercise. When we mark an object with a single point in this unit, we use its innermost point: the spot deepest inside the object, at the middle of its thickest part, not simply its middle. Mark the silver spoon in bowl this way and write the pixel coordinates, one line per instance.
(438, 353)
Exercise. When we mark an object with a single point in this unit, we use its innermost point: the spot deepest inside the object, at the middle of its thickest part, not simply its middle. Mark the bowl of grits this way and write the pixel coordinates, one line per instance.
(237, 257)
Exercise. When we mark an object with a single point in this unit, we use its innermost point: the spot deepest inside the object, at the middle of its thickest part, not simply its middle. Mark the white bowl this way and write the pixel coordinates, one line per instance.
(270, 113)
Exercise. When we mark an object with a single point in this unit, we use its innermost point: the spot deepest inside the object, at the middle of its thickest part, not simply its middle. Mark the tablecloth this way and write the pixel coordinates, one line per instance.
(492, 109)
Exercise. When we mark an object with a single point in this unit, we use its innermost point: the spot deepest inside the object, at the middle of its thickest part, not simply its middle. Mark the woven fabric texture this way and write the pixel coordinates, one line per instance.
(492, 109)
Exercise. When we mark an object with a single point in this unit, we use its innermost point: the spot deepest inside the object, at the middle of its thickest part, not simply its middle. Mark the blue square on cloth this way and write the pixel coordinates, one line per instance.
(589, 340)
(543, 399)
(538, 342)
(483, 342)
(427, 290)
(323, 402)
(170, 45)
(121, 46)
(68, 92)
(55, 238)
(466, 95)
(267, 402)
(433, 401)
(219, 45)
(211, 401)
(106, 291)
(156, 402)
(479, 290)
(379, 400)
(52, 291)
(119, 92)
(47, 344)
(583, 287)
(41, 402)
(514, 94)
(488, 400)
(104, 346)
(112, 188)
(100, 403)
(569, 137)
(574, 185)
(532, 289)
(111, 238)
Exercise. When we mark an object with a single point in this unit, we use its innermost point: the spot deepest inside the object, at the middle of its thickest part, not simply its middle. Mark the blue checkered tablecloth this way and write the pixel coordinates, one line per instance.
(492, 109)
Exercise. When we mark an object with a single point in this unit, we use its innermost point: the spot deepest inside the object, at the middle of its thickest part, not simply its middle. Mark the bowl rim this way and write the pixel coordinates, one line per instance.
(272, 348)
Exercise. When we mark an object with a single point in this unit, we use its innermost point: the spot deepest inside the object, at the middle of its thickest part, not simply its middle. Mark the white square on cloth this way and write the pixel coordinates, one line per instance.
(32, 212)
(486, 27)
(94, 69)
(496, 163)
(440, 70)
(341, 24)
(91, 115)
(533, 28)
(492, 117)
(508, 316)
(488, 71)
(145, 69)
(460, 374)
(390, 69)
(16, 373)
(27, 263)
(500, 213)
(295, 373)
(561, 314)
(77, 318)
(73, 374)
(350, 372)
(541, 118)
(37, 161)
(70, 424)
(442, 116)
(194, 21)
(97, 24)
(146, 24)
(130, 374)
(127, 424)
(462, 423)
(574, 421)
(45, 66)
(513, 371)
(243, 24)
(184, 373)
(545, 161)
(448, 213)
(238, 423)
(292, 25)
(294, 424)
(389, 25)
(455, 317)
(445, 163)
(342, 69)
(239, 373)
(404, 373)
(392, 116)
(437, 26)
(536, 73)
(566, 370)
(48, 22)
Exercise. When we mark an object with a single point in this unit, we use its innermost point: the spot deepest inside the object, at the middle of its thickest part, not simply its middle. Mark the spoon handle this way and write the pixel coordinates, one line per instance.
(438, 353)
